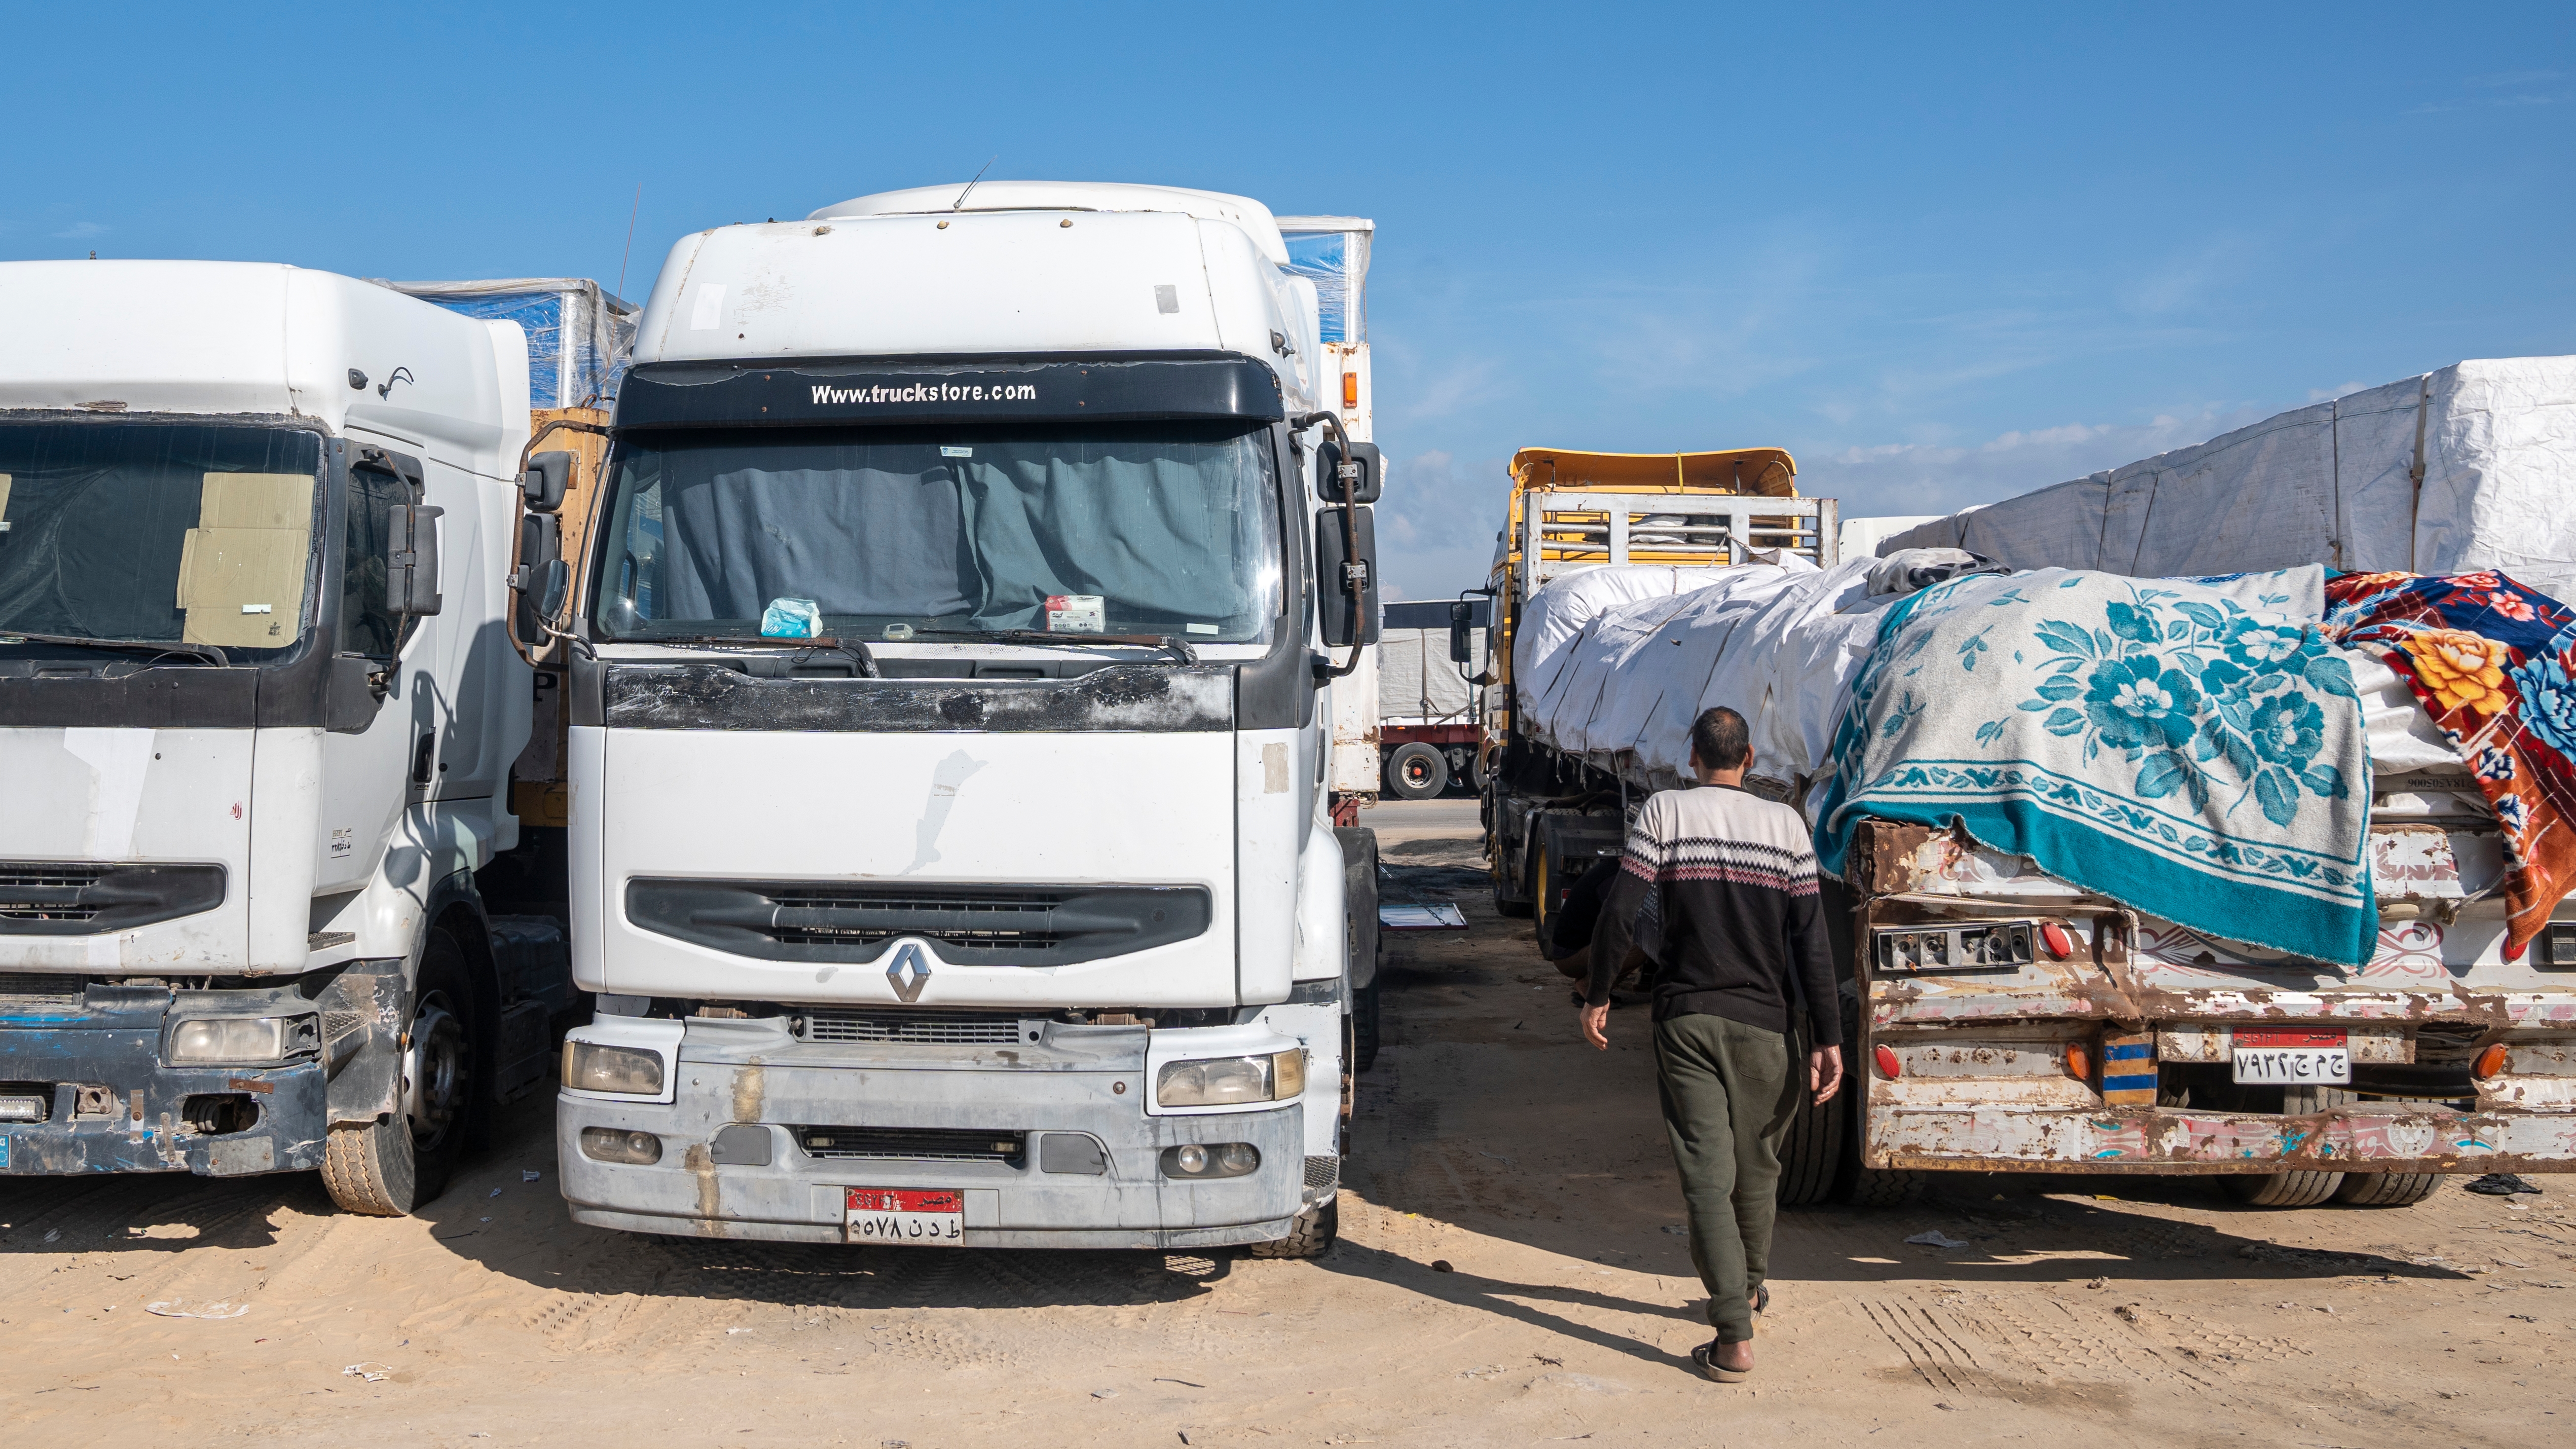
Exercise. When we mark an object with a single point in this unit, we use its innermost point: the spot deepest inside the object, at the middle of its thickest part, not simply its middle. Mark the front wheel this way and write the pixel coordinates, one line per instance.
(1310, 1236)
(393, 1167)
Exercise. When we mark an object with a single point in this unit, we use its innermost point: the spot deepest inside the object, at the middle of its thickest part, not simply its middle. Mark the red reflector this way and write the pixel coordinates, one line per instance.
(1888, 1066)
(2059, 940)
(2079, 1062)
(2490, 1062)
(2288, 1036)
(2513, 950)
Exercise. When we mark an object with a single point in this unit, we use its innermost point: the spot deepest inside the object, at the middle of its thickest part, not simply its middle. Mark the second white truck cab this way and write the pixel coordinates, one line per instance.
(952, 841)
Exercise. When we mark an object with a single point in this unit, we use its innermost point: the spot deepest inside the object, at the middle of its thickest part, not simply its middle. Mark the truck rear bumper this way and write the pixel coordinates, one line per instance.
(2371, 1137)
(145, 1124)
(785, 1192)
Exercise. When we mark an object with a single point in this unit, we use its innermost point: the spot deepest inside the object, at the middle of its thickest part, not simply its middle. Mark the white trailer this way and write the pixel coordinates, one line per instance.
(257, 714)
(980, 574)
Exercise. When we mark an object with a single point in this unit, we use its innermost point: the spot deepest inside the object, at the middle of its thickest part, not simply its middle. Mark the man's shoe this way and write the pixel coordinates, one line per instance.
(1706, 1357)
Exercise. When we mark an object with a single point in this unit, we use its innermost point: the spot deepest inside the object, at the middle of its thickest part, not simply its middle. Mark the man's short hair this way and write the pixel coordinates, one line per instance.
(1720, 739)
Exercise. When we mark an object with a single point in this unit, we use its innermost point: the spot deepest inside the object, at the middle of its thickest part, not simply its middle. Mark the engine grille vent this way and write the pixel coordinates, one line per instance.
(928, 1028)
(89, 899)
(856, 923)
(911, 1144)
(39, 984)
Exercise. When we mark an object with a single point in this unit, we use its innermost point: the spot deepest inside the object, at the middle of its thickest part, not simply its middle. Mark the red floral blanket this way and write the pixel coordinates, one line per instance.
(2494, 663)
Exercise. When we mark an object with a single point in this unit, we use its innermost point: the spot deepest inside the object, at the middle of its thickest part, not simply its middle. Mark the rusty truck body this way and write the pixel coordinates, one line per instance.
(1997, 1018)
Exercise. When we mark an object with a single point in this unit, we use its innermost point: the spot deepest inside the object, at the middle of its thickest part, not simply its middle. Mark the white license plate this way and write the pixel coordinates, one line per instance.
(2292, 1057)
(908, 1217)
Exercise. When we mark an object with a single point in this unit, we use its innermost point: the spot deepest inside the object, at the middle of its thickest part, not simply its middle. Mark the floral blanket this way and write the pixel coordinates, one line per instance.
(2492, 662)
(2191, 748)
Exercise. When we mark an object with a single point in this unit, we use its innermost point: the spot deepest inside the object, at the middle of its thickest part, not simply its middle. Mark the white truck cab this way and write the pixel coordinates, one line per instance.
(952, 841)
(257, 715)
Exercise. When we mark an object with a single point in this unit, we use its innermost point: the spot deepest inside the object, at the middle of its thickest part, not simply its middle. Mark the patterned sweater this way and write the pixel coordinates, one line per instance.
(1722, 885)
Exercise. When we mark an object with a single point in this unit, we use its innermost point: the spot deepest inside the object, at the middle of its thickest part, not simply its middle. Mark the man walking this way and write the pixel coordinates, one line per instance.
(1720, 885)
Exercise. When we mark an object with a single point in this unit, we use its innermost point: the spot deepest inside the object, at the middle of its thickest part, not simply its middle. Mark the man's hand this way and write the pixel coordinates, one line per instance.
(1825, 1072)
(1594, 1018)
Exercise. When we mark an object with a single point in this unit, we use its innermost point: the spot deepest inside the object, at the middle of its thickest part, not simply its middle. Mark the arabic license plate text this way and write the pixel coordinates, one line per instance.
(2292, 1056)
(909, 1217)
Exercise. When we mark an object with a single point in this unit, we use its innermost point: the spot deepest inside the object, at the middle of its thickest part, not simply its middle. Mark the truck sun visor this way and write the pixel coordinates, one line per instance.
(698, 394)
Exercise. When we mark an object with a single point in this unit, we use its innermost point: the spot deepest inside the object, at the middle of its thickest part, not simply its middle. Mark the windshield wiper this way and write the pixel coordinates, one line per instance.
(200, 651)
(856, 651)
(1178, 648)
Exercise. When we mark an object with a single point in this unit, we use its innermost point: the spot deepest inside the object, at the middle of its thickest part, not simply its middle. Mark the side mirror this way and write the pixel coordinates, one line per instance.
(1359, 478)
(540, 543)
(411, 559)
(1462, 622)
(542, 486)
(553, 582)
(1346, 579)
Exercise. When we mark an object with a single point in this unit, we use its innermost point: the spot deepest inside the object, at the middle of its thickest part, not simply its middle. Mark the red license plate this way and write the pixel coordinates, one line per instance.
(913, 1217)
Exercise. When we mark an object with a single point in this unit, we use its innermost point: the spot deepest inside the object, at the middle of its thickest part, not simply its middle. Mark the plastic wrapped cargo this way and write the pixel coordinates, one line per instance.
(1333, 253)
(2470, 467)
(579, 336)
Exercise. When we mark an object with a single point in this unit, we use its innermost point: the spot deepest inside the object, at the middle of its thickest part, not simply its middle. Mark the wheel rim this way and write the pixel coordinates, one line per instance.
(434, 1074)
(1416, 772)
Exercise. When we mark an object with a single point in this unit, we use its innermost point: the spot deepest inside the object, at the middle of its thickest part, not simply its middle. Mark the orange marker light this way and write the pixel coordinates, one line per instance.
(1350, 389)
(2490, 1062)
(2079, 1062)
(2059, 940)
(1888, 1066)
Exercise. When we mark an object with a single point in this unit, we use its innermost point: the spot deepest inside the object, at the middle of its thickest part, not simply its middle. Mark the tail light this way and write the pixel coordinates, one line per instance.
(2059, 940)
(2079, 1062)
(1350, 390)
(1888, 1066)
(2490, 1062)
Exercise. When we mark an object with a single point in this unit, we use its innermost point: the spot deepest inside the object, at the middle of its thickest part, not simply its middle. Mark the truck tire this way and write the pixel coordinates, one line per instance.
(1504, 905)
(2386, 1189)
(2305, 1188)
(1311, 1236)
(394, 1167)
(1416, 772)
(1811, 1154)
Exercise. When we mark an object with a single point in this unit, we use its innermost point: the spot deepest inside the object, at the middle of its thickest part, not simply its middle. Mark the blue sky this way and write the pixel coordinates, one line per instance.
(1944, 255)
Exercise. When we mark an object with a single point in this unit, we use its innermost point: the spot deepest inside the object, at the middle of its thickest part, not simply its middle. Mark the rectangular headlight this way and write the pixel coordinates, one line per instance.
(235, 1040)
(1231, 1081)
(589, 1066)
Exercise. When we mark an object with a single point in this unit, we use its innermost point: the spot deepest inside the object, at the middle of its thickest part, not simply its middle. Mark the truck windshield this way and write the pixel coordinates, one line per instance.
(889, 533)
(158, 532)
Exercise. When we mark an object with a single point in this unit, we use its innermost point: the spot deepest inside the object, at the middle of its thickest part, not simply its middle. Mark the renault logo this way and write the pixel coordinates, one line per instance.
(909, 971)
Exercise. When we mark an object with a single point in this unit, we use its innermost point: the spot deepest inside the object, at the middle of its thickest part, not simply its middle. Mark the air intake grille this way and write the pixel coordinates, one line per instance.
(38, 984)
(45, 893)
(927, 1028)
(856, 924)
(911, 1144)
(91, 899)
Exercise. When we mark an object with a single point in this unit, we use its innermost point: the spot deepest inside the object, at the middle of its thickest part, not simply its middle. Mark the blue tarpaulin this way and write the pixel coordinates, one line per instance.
(1333, 252)
(580, 338)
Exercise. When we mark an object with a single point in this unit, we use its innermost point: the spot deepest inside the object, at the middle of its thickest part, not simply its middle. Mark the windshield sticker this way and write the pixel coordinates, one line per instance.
(1202, 629)
(792, 619)
(1075, 614)
(957, 452)
(922, 392)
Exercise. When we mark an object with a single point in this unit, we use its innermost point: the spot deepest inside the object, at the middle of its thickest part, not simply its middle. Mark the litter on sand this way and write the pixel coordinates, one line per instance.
(529, 1174)
(1936, 1239)
(374, 1373)
(2502, 1184)
(202, 1310)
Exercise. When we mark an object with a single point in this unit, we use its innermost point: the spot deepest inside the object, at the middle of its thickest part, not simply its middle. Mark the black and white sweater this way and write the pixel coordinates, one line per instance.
(1725, 882)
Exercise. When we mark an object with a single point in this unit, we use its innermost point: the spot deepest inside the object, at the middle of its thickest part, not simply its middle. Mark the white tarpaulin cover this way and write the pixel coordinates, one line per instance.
(1417, 680)
(2492, 442)
(1632, 665)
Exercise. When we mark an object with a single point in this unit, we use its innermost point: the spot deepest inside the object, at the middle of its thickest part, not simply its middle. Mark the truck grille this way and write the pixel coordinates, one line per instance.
(54, 898)
(854, 924)
(911, 1144)
(927, 1028)
(39, 984)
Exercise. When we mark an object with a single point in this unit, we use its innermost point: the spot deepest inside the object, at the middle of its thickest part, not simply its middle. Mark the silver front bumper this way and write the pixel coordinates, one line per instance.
(1087, 1082)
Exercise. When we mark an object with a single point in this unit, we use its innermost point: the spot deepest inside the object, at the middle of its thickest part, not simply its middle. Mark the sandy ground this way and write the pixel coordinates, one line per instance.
(2095, 1310)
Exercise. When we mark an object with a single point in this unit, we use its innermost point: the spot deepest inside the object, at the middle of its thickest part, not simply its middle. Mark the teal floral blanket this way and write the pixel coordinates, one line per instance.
(2189, 747)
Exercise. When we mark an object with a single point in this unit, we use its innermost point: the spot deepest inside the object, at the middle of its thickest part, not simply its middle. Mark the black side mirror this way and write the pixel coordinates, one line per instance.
(1346, 578)
(540, 543)
(411, 559)
(1462, 622)
(553, 582)
(543, 485)
(1358, 478)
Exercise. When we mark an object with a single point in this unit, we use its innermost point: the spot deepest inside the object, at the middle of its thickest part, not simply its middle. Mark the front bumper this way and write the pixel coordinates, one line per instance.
(145, 1127)
(2392, 1136)
(1088, 1085)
